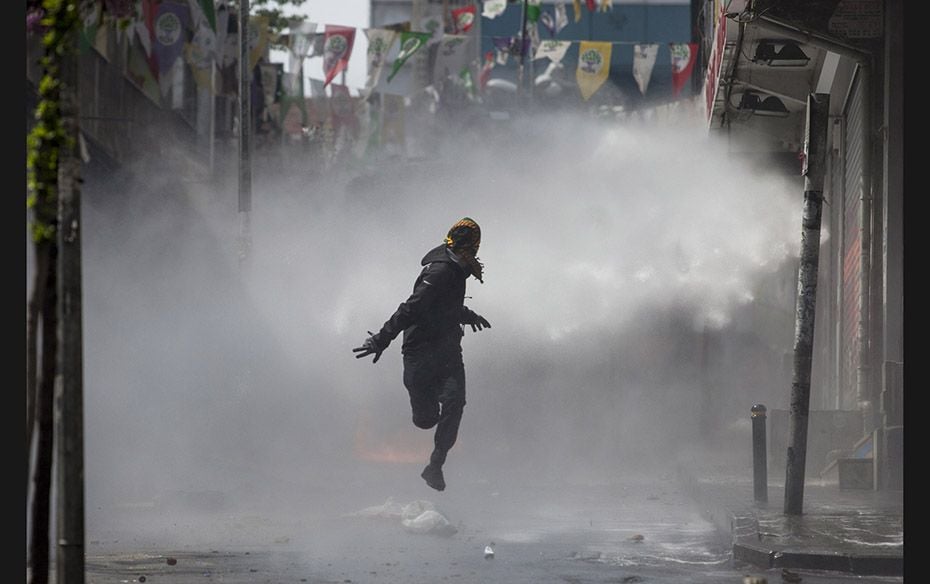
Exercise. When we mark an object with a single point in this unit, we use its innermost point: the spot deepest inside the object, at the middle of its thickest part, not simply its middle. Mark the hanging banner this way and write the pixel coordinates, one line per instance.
(548, 21)
(90, 21)
(170, 21)
(207, 8)
(451, 56)
(139, 72)
(201, 52)
(533, 10)
(463, 18)
(379, 42)
(576, 9)
(644, 59)
(258, 39)
(593, 66)
(336, 50)
(485, 74)
(467, 79)
(493, 8)
(561, 16)
(683, 57)
(591, 4)
(606, 5)
(554, 50)
(410, 43)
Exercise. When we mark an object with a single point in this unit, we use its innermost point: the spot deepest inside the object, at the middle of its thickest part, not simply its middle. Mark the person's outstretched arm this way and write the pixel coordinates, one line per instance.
(434, 276)
(474, 319)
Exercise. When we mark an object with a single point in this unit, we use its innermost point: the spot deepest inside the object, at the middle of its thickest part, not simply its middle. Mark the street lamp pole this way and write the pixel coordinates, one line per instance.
(245, 130)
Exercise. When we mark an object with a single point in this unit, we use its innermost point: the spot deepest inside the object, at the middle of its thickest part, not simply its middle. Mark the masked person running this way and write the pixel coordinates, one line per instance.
(431, 320)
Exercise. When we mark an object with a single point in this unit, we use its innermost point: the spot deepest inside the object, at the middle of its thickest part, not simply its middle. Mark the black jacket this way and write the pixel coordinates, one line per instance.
(435, 312)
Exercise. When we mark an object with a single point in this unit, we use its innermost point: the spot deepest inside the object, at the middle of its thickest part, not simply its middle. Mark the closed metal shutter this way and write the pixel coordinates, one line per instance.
(854, 145)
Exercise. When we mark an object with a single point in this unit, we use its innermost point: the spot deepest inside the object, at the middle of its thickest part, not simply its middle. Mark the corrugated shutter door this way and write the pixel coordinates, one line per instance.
(854, 142)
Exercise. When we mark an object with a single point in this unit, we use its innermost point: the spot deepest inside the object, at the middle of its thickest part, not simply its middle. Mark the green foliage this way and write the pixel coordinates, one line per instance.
(46, 139)
(277, 13)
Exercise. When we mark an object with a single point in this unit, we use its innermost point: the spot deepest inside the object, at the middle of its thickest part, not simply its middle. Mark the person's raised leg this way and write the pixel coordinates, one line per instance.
(452, 399)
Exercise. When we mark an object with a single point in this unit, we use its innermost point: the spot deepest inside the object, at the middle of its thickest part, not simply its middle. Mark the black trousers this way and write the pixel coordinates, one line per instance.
(435, 380)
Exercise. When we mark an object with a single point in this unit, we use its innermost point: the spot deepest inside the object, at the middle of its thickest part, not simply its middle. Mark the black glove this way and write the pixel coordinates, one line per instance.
(372, 344)
(479, 323)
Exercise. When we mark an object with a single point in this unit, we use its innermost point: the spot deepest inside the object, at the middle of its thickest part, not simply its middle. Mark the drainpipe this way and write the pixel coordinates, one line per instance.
(863, 60)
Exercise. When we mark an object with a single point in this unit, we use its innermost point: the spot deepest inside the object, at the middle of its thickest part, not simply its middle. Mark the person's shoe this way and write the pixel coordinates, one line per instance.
(433, 477)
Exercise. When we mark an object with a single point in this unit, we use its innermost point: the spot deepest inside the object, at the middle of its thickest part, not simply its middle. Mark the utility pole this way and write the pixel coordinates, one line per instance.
(815, 147)
(69, 387)
(245, 130)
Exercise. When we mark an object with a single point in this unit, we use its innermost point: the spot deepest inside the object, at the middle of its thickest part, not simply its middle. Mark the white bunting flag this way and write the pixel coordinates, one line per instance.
(644, 58)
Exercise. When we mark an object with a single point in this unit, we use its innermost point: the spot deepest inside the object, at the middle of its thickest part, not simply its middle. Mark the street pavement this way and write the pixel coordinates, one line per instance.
(656, 529)
(849, 531)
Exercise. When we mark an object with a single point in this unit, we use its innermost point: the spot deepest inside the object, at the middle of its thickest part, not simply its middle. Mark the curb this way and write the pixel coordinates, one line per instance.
(743, 526)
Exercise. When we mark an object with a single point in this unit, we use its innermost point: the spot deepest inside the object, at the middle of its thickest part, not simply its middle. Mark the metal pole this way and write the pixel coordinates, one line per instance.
(245, 130)
(69, 388)
(760, 478)
(818, 109)
(521, 78)
(863, 387)
(212, 121)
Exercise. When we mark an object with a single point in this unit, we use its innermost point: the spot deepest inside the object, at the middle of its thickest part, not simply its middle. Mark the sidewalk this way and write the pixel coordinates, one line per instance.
(853, 531)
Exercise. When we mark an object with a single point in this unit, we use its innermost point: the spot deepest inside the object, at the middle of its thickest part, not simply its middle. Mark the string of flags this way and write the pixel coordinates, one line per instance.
(158, 31)
(166, 35)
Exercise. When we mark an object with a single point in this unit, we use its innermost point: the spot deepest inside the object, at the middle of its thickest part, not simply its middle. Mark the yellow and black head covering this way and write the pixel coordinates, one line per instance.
(463, 240)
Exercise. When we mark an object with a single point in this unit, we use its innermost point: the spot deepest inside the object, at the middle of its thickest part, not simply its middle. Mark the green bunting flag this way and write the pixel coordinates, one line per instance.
(410, 43)
(533, 10)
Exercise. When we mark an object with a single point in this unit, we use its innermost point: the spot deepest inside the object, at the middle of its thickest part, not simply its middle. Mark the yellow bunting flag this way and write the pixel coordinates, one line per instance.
(593, 66)
(576, 9)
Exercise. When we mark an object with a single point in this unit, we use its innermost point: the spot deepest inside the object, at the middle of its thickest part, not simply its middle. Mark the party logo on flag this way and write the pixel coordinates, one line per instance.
(591, 61)
(683, 57)
(167, 28)
(410, 43)
(337, 47)
(334, 49)
(464, 18)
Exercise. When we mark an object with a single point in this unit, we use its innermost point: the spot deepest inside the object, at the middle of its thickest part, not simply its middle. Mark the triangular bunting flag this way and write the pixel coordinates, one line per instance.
(683, 57)
(593, 66)
(644, 58)
(337, 47)
(410, 43)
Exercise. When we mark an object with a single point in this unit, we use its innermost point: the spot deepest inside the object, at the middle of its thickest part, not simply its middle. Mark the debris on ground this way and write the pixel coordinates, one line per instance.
(419, 516)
